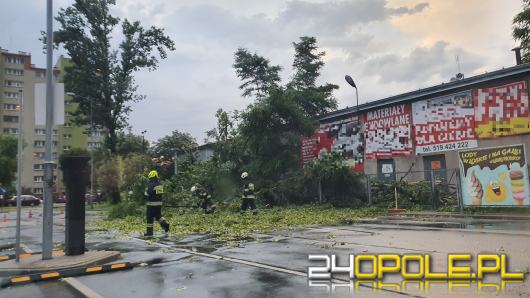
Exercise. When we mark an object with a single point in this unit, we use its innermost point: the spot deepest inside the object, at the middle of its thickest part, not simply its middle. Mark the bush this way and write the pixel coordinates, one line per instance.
(124, 209)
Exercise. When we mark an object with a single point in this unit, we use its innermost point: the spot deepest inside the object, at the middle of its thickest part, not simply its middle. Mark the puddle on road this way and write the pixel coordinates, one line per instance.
(468, 225)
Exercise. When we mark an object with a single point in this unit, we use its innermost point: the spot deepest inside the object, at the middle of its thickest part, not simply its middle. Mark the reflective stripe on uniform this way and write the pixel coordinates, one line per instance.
(149, 225)
(248, 196)
(154, 204)
(159, 189)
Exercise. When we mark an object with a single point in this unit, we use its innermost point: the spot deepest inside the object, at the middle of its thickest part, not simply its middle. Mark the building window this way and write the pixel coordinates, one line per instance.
(39, 144)
(37, 178)
(14, 60)
(13, 119)
(55, 132)
(94, 145)
(66, 148)
(37, 191)
(67, 136)
(68, 125)
(38, 155)
(95, 133)
(12, 95)
(10, 83)
(10, 107)
(10, 130)
(40, 132)
(40, 74)
(14, 72)
(68, 102)
(38, 167)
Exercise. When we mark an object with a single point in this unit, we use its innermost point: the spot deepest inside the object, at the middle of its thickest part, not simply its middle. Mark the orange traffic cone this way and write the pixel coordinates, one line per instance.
(30, 215)
(5, 218)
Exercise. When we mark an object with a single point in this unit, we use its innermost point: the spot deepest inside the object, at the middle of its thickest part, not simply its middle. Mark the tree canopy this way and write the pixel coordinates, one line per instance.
(100, 74)
(521, 30)
(8, 160)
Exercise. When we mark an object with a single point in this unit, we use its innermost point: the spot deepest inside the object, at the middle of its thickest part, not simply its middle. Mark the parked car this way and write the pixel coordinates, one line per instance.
(26, 200)
(60, 199)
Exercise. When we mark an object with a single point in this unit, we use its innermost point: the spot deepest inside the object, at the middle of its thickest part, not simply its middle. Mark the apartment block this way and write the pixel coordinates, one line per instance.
(18, 77)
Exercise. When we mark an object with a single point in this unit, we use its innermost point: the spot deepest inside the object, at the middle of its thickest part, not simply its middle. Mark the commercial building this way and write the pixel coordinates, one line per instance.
(427, 129)
(18, 77)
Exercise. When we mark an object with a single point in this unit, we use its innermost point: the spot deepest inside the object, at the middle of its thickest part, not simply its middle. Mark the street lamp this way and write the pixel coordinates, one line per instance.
(352, 83)
(91, 149)
(143, 140)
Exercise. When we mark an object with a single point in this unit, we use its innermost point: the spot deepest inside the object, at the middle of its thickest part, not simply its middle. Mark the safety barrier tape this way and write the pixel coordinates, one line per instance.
(24, 279)
(3, 258)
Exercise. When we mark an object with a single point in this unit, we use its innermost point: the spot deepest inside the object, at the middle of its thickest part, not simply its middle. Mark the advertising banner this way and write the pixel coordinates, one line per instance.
(388, 132)
(502, 110)
(444, 123)
(344, 136)
(495, 176)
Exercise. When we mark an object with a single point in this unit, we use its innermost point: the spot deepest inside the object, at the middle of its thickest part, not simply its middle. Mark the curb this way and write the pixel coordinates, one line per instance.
(24, 279)
(28, 254)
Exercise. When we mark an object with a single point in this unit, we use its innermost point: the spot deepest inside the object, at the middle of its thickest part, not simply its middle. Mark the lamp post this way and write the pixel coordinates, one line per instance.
(352, 83)
(19, 172)
(91, 149)
(143, 140)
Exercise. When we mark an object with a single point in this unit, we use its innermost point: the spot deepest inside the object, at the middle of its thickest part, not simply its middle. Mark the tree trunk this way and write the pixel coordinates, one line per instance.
(111, 140)
(115, 197)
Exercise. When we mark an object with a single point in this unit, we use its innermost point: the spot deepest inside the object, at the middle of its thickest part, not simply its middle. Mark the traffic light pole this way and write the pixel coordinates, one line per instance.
(47, 227)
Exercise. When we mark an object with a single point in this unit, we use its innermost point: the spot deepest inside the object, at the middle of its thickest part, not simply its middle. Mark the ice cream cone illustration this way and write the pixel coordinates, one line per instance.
(518, 189)
(475, 190)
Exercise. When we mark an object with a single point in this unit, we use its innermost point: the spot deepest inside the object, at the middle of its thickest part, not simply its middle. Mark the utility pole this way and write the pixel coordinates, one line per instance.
(19, 171)
(47, 214)
(92, 154)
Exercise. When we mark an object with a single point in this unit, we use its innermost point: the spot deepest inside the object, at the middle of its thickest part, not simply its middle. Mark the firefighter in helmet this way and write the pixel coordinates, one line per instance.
(205, 199)
(153, 195)
(248, 198)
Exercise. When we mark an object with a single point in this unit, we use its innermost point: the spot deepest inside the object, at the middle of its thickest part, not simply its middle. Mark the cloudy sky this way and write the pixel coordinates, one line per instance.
(387, 46)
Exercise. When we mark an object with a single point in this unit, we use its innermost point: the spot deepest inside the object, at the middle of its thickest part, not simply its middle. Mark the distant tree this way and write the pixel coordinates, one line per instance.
(313, 99)
(101, 74)
(128, 143)
(255, 73)
(521, 30)
(176, 143)
(8, 160)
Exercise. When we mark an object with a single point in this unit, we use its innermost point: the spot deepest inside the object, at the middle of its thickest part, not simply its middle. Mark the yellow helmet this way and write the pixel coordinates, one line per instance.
(152, 174)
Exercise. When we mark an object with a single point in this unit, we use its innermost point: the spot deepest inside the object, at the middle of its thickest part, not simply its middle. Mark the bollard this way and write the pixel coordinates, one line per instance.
(5, 218)
(75, 176)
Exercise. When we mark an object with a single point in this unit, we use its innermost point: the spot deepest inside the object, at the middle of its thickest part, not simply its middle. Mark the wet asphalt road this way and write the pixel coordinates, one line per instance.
(177, 273)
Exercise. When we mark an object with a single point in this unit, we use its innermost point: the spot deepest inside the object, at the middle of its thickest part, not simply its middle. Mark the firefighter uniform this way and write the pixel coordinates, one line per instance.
(205, 199)
(248, 198)
(153, 195)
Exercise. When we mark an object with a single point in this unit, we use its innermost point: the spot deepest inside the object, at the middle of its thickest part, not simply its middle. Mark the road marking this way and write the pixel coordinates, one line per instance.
(258, 265)
(81, 288)
(50, 275)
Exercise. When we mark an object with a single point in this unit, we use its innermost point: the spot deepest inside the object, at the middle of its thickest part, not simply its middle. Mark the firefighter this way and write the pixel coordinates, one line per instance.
(248, 198)
(205, 199)
(153, 195)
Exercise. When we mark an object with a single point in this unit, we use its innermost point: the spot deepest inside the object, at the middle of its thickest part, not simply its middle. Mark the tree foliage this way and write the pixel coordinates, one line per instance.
(8, 160)
(177, 142)
(128, 143)
(521, 30)
(256, 75)
(99, 74)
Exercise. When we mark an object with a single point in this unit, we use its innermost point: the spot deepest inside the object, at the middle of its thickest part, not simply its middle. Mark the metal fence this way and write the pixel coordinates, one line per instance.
(427, 189)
